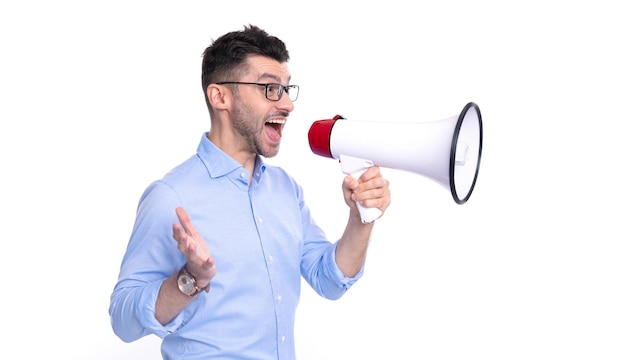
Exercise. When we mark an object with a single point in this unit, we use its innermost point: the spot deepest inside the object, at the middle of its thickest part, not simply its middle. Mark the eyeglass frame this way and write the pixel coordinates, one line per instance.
(281, 91)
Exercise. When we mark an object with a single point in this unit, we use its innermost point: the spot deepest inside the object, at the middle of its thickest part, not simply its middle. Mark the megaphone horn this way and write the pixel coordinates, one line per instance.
(447, 151)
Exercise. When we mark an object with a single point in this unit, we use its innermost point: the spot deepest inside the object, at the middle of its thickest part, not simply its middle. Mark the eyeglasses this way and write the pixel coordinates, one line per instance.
(273, 91)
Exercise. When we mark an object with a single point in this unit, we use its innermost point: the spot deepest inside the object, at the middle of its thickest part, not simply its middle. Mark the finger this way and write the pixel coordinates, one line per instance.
(185, 221)
(380, 203)
(184, 242)
(371, 173)
(208, 264)
(350, 183)
(374, 189)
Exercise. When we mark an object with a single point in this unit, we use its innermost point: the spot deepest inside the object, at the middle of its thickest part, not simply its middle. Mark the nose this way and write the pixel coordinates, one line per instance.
(285, 103)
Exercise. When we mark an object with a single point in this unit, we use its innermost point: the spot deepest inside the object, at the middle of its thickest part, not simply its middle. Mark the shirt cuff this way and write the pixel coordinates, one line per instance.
(147, 314)
(344, 281)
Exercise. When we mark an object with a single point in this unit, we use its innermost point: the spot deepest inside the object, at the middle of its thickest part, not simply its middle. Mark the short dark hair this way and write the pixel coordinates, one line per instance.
(224, 59)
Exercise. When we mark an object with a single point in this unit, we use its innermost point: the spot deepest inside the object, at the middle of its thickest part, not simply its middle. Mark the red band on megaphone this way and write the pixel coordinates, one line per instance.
(319, 136)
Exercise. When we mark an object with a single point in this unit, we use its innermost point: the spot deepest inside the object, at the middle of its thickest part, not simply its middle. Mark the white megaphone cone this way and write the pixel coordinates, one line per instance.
(447, 151)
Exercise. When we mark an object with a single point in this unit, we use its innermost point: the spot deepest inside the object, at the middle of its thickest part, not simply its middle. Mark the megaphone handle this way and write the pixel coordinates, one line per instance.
(368, 215)
(356, 167)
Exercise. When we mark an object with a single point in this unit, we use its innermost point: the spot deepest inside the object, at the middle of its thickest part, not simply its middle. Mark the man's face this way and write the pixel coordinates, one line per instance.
(258, 120)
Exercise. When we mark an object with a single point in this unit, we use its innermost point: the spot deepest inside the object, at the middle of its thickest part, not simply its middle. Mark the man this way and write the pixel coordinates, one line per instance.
(223, 282)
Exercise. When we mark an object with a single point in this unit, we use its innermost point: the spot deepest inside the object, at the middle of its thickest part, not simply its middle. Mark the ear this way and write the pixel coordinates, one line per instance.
(219, 96)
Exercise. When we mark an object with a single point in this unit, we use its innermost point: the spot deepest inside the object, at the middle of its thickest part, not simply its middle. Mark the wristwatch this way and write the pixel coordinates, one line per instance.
(187, 283)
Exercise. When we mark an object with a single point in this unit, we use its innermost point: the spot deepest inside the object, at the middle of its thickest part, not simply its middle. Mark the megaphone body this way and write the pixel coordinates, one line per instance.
(447, 151)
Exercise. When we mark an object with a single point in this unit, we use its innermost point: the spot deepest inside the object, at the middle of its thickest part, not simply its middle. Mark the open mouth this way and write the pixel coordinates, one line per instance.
(274, 129)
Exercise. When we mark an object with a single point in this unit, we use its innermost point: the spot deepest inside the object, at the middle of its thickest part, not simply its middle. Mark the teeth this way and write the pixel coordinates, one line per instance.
(275, 121)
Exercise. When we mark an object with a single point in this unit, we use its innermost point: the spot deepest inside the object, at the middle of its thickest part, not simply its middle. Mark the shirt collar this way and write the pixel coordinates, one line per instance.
(218, 163)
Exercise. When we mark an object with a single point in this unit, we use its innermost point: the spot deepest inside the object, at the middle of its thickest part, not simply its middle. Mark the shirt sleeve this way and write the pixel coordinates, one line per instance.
(151, 257)
(319, 266)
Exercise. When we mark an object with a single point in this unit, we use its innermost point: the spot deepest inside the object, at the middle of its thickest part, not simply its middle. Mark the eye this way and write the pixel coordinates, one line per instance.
(273, 89)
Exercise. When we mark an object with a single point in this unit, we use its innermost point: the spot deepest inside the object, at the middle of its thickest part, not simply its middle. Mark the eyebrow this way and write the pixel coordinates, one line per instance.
(273, 77)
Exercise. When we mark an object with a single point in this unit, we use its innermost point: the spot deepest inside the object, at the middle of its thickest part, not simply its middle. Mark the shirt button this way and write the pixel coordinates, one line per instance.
(279, 298)
(282, 339)
(260, 220)
(243, 174)
(270, 259)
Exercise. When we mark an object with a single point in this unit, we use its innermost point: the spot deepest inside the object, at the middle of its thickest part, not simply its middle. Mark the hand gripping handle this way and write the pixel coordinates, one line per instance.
(356, 167)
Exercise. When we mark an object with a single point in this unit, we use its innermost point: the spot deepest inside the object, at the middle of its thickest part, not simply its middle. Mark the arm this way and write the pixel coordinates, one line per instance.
(371, 190)
(170, 301)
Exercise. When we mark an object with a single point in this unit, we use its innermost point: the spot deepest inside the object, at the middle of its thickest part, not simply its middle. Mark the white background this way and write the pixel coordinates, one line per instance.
(100, 98)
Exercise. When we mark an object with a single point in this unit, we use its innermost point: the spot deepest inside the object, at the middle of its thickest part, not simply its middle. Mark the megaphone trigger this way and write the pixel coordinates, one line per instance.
(353, 165)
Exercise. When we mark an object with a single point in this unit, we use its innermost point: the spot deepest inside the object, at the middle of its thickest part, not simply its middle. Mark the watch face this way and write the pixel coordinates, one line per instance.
(186, 284)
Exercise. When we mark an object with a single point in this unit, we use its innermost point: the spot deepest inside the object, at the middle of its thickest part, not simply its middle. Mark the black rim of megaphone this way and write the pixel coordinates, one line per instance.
(455, 138)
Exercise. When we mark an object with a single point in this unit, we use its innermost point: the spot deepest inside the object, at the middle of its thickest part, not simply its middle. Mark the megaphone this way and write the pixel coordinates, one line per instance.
(447, 151)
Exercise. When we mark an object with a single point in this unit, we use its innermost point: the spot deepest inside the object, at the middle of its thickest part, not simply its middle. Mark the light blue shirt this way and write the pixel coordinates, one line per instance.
(262, 238)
